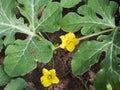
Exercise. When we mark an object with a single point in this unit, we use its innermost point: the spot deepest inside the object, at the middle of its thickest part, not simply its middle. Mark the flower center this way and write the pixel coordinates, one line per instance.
(49, 77)
(69, 41)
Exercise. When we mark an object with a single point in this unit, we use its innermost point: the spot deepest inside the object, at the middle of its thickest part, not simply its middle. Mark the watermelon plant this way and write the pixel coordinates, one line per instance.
(94, 18)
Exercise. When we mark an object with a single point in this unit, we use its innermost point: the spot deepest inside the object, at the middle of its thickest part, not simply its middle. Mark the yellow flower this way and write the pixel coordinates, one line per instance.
(69, 41)
(49, 77)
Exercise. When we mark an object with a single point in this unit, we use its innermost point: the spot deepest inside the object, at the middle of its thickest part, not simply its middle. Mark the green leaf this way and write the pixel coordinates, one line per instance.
(110, 65)
(96, 15)
(69, 3)
(50, 19)
(89, 53)
(109, 87)
(100, 77)
(85, 1)
(71, 22)
(22, 57)
(30, 10)
(9, 24)
(104, 78)
(16, 84)
(8, 21)
(10, 38)
(4, 78)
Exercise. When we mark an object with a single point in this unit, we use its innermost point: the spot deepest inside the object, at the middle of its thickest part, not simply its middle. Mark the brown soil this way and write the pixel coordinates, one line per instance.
(62, 59)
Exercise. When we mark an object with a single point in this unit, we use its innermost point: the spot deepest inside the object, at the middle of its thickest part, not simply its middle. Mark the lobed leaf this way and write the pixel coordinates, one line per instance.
(110, 68)
(22, 57)
(89, 53)
(9, 24)
(5, 17)
(16, 84)
(95, 15)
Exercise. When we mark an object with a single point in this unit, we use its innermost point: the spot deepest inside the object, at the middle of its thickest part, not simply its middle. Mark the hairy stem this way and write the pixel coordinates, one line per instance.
(40, 34)
(95, 34)
(53, 62)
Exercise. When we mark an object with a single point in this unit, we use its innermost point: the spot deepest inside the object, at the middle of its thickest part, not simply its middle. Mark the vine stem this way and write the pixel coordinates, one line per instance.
(95, 34)
(53, 63)
(82, 82)
(41, 35)
(54, 48)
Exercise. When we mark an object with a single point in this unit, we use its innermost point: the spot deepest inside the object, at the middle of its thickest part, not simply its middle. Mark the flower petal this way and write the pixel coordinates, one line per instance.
(70, 35)
(70, 47)
(76, 41)
(55, 80)
(62, 45)
(45, 71)
(43, 78)
(44, 81)
(63, 39)
(52, 72)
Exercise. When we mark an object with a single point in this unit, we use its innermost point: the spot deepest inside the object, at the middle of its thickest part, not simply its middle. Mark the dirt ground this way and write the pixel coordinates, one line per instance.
(62, 58)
